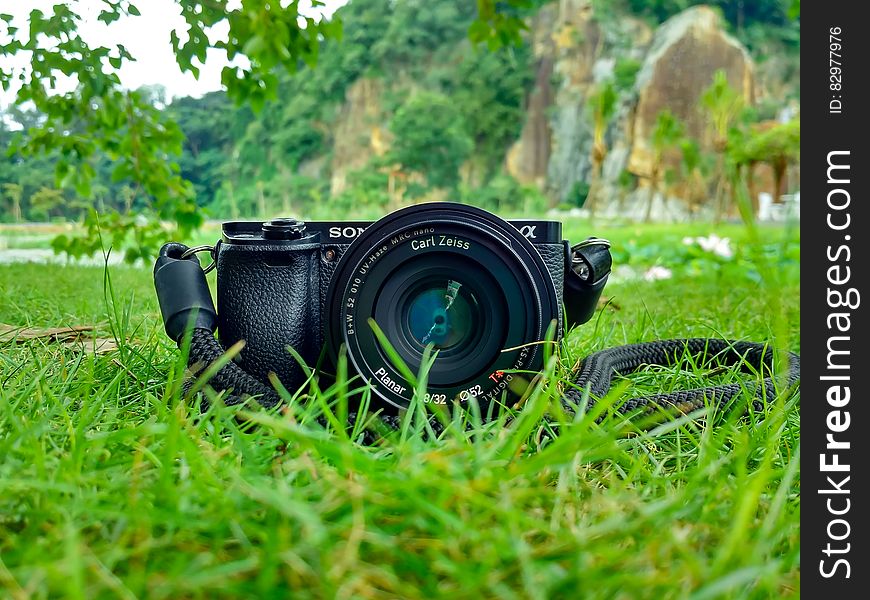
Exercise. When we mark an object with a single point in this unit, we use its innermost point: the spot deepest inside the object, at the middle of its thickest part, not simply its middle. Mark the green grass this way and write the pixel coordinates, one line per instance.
(112, 487)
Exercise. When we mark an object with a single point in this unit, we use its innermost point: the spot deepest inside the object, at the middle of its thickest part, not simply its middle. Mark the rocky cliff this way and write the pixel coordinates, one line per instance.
(574, 51)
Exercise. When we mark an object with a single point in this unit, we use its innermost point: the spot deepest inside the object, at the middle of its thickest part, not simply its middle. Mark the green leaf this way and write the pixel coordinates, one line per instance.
(108, 16)
(478, 32)
(254, 46)
(392, 353)
(174, 42)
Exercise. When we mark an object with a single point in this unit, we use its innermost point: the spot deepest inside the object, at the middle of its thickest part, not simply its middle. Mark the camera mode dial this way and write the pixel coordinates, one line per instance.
(283, 229)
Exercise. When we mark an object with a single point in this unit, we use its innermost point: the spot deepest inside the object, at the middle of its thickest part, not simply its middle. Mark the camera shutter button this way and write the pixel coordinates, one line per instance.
(283, 229)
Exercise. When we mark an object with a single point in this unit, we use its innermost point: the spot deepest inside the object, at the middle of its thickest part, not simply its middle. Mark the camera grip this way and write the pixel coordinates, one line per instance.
(269, 296)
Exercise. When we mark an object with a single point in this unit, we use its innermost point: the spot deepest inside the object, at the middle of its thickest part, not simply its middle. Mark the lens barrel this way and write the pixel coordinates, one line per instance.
(454, 278)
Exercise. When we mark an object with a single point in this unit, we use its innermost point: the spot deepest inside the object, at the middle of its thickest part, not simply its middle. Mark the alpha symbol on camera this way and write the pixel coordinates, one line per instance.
(529, 231)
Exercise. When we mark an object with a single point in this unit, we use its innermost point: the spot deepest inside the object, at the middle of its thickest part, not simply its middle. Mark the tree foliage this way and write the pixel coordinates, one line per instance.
(489, 89)
(210, 125)
(777, 17)
(430, 139)
(99, 119)
(778, 146)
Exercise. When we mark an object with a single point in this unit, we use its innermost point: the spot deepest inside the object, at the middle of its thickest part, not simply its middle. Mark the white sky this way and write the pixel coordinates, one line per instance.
(146, 37)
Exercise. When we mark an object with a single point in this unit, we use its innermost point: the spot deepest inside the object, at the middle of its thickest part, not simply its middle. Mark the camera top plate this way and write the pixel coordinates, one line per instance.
(345, 232)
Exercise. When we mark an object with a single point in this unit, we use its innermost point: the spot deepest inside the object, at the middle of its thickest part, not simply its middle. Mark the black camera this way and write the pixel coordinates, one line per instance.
(479, 292)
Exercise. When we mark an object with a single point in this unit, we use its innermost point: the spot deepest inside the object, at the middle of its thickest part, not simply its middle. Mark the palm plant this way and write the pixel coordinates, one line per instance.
(666, 134)
(723, 105)
(602, 106)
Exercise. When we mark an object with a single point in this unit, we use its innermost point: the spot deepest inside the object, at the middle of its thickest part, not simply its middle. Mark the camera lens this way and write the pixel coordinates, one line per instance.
(452, 278)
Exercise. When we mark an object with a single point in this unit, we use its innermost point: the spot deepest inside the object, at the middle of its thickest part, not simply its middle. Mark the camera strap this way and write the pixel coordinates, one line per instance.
(186, 306)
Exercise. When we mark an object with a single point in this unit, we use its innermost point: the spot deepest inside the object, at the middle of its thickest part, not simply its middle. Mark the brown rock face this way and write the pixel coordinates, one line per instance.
(685, 54)
(359, 131)
(528, 158)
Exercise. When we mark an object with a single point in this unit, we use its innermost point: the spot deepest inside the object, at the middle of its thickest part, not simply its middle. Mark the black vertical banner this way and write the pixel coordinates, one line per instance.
(835, 430)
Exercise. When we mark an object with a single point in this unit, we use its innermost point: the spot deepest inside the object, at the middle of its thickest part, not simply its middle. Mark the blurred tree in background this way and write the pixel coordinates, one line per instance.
(99, 120)
(431, 140)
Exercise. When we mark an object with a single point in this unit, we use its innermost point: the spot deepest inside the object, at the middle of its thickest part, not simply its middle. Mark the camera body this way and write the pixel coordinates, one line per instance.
(480, 291)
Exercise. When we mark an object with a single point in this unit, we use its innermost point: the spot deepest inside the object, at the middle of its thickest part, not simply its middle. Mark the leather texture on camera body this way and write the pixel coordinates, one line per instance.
(270, 297)
(327, 270)
(554, 257)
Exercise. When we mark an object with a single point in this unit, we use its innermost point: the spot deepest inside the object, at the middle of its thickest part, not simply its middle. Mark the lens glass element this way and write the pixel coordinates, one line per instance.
(442, 315)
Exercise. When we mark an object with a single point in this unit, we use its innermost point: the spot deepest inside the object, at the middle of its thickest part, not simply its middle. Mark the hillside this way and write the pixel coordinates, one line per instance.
(405, 108)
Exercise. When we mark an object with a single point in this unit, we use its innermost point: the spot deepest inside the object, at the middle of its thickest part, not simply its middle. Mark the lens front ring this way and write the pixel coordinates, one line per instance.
(442, 230)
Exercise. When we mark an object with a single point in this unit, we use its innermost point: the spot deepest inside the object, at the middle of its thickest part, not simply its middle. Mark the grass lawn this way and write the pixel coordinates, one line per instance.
(112, 487)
